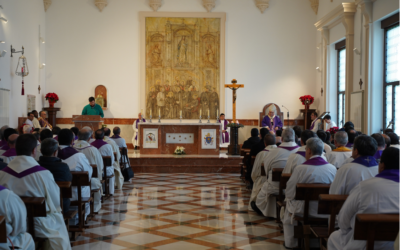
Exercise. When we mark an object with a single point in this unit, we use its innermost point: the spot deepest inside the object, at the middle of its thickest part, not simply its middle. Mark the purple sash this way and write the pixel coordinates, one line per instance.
(76, 138)
(115, 136)
(66, 153)
(312, 124)
(98, 143)
(2, 143)
(317, 161)
(5, 147)
(2, 188)
(266, 150)
(389, 174)
(10, 152)
(27, 172)
(302, 153)
(367, 161)
(137, 122)
(56, 138)
(289, 148)
(378, 154)
(349, 145)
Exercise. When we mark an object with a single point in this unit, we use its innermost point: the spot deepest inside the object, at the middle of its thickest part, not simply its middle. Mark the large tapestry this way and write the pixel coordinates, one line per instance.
(182, 67)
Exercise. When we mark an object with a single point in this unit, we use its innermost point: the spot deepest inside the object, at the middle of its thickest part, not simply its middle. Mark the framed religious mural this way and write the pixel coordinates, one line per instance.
(183, 64)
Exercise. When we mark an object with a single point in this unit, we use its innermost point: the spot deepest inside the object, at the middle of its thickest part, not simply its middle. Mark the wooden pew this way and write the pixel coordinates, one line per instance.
(79, 180)
(107, 164)
(35, 207)
(308, 192)
(263, 170)
(276, 176)
(328, 204)
(3, 230)
(95, 174)
(376, 227)
(66, 192)
(243, 153)
(124, 161)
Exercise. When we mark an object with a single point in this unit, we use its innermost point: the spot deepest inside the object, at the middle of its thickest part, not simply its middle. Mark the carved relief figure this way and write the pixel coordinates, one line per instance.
(210, 56)
(156, 55)
(182, 49)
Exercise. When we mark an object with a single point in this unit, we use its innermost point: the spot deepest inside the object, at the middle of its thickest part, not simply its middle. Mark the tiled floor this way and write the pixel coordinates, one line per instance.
(180, 212)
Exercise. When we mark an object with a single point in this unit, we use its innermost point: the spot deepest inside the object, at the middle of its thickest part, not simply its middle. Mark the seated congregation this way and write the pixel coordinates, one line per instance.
(63, 175)
(293, 175)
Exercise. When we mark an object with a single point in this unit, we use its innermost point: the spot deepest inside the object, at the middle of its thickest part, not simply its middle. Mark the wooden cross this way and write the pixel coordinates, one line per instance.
(234, 86)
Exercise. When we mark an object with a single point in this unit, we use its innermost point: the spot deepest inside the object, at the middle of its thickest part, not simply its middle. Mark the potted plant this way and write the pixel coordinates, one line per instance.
(52, 98)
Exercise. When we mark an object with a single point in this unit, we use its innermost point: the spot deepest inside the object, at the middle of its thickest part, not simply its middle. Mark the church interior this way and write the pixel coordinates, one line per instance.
(142, 124)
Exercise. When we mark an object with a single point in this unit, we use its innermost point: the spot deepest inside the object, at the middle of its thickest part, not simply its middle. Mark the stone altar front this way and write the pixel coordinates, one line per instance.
(163, 138)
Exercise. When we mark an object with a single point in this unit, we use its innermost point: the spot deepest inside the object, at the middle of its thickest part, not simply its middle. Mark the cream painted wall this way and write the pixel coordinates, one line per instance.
(273, 53)
(22, 29)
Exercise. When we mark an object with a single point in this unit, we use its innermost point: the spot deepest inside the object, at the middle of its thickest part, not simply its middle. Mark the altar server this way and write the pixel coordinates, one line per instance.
(339, 155)
(225, 130)
(10, 154)
(314, 170)
(329, 123)
(94, 157)
(119, 178)
(135, 140)
(276, 158)
(363, 167)
(269, 142)
(299, 157)
(35, 120)
(105, 149)
(271, 121)
(316, 123)
(25, 178)
(378, 195)
(76, 162)
(14, 211)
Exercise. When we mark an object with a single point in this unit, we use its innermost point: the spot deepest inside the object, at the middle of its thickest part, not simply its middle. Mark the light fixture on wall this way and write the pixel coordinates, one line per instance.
(318, 69)
(42, 40)
(41, 66)
(22, 66)
(3, 19)
(2, 41)
(357, 51)
(3, 53)
(318, 46)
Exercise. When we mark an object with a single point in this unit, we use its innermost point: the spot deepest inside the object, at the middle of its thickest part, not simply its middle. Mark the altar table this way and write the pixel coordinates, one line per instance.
(164, 138)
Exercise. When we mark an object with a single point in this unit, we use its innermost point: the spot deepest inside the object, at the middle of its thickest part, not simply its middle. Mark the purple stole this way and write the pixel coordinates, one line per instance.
(276, 122)
(66, 153)
(266, 150)
(2, 188)
(115, 136)
(349, 145)
(302, 153)
(378, 154)
(367, 161)
(225, 135)
(317, 161)
(289, 148)
(137, 122)
(98, 143)
(25, 173)
(2, 143)
(6, 147)
(389, 174)
(76, 138)
(312, 124)
(56, 138)
(10, 152)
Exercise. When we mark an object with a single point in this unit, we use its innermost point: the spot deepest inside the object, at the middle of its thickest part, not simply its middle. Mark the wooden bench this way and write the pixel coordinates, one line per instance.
(243, 153)
(328, 204)
(308, 192)
(95, 174)
(376, 227)
(124, 161)
(66, 192)
(79, 180)
(276, 176)
(107, 164)
(3, 230)
(35, 207)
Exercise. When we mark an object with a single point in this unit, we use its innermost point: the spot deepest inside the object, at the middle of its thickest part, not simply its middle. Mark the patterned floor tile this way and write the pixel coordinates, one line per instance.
(147, 223)
(142, 238)
(181, 246)
(182, 230)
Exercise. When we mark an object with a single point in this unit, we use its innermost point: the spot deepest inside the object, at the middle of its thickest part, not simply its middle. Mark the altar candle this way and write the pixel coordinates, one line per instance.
(159, 112)
(200, 112)
(217, 113)
(181, 113)
(208, 112)
(141, 111)
(150, 111)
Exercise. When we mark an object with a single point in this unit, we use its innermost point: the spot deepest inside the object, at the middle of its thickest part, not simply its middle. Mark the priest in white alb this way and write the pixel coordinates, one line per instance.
(363, 167)
(10, 154)
(135, 140)
(378, 195)
(14, 211)
(299, 157)
(338, 156)
(258, 179)
(76, 162)
(276, 158)
(94, 157)
(25, 178)
(121, 143)
(314, 170)
(119, 178)
(316, 123)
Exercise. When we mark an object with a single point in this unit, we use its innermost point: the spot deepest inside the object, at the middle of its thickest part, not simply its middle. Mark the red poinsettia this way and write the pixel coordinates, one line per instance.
(52, 97)
(304, 98)
(333, 130)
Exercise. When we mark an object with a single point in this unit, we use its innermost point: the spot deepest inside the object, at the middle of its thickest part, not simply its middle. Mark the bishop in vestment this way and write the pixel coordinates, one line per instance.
(271, 121)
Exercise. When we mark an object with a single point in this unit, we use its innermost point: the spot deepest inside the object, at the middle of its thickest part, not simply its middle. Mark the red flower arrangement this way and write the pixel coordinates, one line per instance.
(51, 97)
(304, 98)
(333, 130)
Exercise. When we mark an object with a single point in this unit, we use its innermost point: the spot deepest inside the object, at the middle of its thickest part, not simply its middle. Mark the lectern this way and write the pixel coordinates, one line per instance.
(92, 121)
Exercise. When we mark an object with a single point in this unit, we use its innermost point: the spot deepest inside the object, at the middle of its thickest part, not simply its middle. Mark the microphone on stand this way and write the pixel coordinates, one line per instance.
(287, 113)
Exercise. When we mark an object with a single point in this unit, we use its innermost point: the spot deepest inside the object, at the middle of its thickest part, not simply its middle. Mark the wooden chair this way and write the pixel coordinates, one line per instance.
(95, 174)
(124, 162)
(107, 164)
(263, 170)
(308, 192)
(328, 204)
(3, 230)
(243, 152)
(66, 192)
(79, 180)
(276, 176)
(376, 227)
(35, 207)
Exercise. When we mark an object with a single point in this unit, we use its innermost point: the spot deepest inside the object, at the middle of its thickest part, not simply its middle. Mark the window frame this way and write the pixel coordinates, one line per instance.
(340, 46)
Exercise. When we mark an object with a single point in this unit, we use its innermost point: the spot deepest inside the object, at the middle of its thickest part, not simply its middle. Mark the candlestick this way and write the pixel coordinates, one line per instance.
(159, 112)
(208, 121)
(159, 118)
(200, 117)
(181, 113)
(180, 118)
(150, 118)
(200, 112)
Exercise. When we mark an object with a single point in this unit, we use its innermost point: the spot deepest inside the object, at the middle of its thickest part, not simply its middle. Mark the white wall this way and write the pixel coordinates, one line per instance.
(22, 29)
(273, 53)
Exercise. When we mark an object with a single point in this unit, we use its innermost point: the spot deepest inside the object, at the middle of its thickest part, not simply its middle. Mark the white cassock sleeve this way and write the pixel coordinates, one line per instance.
(293, 161)
(349, 209)
(290, 192)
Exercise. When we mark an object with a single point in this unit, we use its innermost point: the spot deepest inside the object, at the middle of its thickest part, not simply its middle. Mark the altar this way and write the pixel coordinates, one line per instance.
(164, 138)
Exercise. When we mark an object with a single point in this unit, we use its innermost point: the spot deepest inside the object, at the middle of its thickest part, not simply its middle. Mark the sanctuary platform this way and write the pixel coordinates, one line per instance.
(163, 163)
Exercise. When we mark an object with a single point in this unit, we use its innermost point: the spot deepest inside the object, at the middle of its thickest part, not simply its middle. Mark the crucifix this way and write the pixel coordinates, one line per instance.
(234, 86)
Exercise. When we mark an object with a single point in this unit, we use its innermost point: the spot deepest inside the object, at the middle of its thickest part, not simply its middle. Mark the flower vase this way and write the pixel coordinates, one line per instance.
(51, 103)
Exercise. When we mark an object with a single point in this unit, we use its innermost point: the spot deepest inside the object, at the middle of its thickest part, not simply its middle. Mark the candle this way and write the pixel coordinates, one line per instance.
(181, 113)
(200, 112)
(159, 112)
(208, 112)
(150, 111)
(141, 111)
(217, 113)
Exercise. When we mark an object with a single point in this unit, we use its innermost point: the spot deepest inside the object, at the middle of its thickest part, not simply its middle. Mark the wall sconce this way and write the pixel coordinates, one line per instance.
(318, 46)
(3, 53)
(318, 69)
(357, 51)
(3, 19)
(2, 41)
(42, 40)
(41, 66)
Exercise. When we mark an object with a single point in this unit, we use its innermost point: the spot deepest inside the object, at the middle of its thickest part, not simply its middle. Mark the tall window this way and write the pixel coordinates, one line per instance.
(341, 81)
(391, 74)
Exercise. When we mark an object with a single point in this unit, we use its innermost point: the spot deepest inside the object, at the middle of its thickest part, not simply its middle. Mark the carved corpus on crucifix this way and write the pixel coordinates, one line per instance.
(361, 83)
(234, 86)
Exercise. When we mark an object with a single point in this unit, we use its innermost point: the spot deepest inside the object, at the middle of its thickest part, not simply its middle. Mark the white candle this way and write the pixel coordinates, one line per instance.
(141, 111)
(208, 112)
(150, 111)
(159, 112)
(181, 113)
(217, 113)
(200, 112)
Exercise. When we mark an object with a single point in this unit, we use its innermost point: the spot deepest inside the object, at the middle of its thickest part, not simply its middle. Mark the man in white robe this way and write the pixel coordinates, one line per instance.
(276, 158)
(44, 134)
(10, 154)
(35, 121)
(91, 133)
(135, 138)
(121, 143)
(339, 155)
(378, 195)
(25, 178)
(299, 157)
(7, 132)
(105, 149)
(119, 178)
(329, 123)
(14, 211)
(269, 142)
(94, 157)
(316, 123)
(314, 170)
(76, 162)
(29, 121)
(363, 167)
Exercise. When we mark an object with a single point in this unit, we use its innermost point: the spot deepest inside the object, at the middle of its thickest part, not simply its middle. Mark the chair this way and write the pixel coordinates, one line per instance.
(66, 192)
(376, 227)
(264, 112)
(328, 204)
(124, 162)
(107, 164)
(243, 153)
(276, 176)
(35, 207)
(95, 174)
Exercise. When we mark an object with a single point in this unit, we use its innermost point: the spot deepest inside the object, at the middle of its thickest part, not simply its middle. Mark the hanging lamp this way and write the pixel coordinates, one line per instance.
(22, 66)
